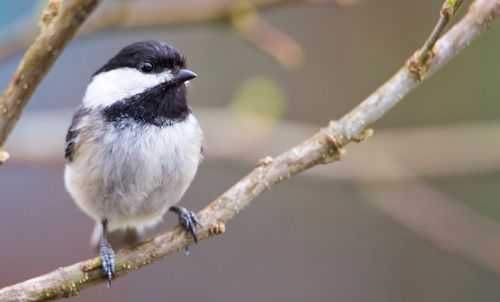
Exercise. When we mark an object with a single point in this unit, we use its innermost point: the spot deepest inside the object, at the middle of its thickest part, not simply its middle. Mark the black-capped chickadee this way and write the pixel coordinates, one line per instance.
(134, 145)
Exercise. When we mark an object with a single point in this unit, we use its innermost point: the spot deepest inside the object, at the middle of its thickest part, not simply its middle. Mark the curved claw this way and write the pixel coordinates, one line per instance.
(107, 256)
(188, 220)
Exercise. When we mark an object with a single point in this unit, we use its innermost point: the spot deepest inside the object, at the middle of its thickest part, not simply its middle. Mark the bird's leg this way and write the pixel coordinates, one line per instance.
(188, 220)
(107, 254)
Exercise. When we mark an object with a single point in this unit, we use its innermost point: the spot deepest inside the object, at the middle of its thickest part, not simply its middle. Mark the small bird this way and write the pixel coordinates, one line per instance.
(133, 146)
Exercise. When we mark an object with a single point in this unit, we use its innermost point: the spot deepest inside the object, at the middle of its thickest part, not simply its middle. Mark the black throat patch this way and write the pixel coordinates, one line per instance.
(161, 106)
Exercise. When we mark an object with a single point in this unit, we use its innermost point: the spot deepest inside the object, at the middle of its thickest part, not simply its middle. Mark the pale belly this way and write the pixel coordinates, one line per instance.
(131, 179)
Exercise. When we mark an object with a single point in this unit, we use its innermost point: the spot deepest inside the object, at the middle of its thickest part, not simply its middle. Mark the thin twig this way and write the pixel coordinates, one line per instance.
(323, 147)
(448, 10)
(478, 19)
(55, 32)
(417, 63)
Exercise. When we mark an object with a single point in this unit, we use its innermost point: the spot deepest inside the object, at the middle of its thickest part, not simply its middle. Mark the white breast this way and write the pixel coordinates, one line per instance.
(131, 176)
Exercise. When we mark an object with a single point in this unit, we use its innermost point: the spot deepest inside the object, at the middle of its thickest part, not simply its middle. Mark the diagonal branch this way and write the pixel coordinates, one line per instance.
(323, 147)
(56, 29)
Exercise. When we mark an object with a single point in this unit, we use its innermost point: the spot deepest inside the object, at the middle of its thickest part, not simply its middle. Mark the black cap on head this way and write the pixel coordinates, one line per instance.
(146, 56)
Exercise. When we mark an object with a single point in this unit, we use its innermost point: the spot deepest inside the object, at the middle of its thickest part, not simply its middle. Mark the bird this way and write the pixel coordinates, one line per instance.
(134, 146)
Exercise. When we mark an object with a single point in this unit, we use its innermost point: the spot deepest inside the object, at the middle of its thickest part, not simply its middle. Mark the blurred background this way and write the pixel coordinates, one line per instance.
(412, 214)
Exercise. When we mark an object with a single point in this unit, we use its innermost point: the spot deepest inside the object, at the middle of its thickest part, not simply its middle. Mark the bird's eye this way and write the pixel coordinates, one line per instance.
(146, 66)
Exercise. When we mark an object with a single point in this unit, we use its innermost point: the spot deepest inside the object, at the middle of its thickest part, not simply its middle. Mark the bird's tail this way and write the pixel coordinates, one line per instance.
(117, 238)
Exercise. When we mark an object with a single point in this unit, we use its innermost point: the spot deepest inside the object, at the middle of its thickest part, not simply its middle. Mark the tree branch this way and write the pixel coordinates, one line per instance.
(323, 147)
(55, 31)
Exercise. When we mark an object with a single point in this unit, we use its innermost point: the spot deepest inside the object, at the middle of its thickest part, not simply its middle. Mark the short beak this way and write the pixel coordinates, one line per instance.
(184, 75)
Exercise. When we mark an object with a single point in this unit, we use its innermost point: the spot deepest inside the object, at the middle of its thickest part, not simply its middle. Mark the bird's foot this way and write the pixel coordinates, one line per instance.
(188, 220)
(107, 255)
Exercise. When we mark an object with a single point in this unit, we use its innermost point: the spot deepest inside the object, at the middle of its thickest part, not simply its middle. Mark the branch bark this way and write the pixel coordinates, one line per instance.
(324, 147)
(55, 32)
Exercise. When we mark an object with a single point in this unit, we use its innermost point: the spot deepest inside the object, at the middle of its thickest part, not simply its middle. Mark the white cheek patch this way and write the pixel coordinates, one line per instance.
(114, 85)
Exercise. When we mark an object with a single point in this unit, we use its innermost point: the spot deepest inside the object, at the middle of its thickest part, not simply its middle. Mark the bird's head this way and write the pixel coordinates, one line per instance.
(147, 68)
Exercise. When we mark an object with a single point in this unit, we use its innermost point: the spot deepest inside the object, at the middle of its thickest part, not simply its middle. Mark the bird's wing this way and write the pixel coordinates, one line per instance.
(73, 132)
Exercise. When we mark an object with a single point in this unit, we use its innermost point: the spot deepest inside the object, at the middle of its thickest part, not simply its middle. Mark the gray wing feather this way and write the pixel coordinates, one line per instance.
(73, 132)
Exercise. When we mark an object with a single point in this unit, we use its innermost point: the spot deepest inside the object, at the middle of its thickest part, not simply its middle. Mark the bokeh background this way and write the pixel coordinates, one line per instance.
(409, 215)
